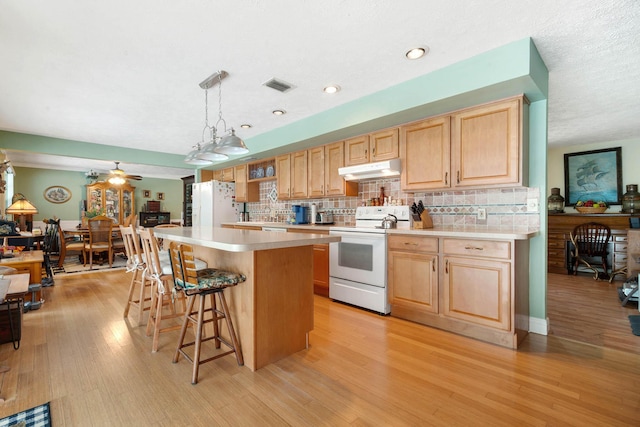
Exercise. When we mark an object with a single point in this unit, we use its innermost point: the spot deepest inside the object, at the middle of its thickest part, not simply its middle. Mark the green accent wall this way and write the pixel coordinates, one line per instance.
(32, 182)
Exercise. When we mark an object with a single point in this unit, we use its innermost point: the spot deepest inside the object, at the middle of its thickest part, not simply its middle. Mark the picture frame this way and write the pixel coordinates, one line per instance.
(57, 194)
(160, 196)
(146, 194)
(593, 175)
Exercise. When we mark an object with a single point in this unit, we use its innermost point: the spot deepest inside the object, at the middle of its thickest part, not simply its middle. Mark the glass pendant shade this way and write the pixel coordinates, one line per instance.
(231, 144)
(631, 200)
(208, 153)
(555, 202)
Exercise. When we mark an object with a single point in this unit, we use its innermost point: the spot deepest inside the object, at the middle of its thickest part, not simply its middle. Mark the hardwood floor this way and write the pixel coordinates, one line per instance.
(585, 310)
(97, 369)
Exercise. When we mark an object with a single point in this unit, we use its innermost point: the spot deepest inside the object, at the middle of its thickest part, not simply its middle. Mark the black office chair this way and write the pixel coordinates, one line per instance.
(590, 245)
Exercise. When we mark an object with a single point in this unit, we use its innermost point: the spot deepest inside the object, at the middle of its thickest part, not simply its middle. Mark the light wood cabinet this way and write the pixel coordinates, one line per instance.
(425, 150)
(291, 171)
(245, 191)
(467, 286)
(118, 201)
(283, 173)
(334, 184)
(316, 171)
(320, 262)
(413, 275)
(373, 147)
(487, 145)
(479, 147)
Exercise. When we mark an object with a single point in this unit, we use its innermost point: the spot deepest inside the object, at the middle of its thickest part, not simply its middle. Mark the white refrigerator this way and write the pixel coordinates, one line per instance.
(213, 202)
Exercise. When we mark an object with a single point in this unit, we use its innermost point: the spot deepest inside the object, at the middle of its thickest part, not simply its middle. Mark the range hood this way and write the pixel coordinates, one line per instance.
(384, 169)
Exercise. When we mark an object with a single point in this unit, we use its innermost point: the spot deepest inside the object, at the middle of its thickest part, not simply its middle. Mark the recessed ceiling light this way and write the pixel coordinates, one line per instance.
(417, 52)
(246, 126)
(331, 89)
(279, 112)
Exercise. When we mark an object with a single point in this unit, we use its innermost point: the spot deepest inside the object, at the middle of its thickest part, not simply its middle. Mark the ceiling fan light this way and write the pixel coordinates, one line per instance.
(231, 144)
(116, 180)
(208, 153)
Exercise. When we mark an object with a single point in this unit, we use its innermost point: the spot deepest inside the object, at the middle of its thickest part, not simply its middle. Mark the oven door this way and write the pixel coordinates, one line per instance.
(359, 257)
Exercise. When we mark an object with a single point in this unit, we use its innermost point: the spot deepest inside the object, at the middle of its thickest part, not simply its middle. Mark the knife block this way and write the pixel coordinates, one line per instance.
(425, 221)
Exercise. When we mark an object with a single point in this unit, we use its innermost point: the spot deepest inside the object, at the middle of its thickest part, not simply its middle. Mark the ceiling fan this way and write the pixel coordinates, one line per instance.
(119, 174)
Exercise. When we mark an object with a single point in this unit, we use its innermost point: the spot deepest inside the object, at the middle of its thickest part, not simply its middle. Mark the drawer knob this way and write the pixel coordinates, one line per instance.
(474, 248)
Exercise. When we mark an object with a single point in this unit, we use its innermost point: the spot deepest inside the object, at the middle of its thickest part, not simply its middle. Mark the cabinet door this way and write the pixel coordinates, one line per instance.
(321, 269)
(477, 291)
(356, 150)
(334, 184)
(299, 175)
(426, 155)
(316, 171)
(240, 175)
(112, 204)
(228, 175)
(487, 145)
(384, 145)
(413, 281)
(127, 204)
(283, 172)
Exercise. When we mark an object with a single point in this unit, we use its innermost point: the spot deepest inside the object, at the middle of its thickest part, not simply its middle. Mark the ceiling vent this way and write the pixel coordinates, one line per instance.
(279, 85)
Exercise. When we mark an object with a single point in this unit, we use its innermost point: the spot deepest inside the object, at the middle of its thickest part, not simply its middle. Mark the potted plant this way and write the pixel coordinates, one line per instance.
(93, 212)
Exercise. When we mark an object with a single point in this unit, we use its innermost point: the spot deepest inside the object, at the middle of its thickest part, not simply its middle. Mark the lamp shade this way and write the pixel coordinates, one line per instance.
(193, 159)
(22, 206)
(231, 144)
(209, 153)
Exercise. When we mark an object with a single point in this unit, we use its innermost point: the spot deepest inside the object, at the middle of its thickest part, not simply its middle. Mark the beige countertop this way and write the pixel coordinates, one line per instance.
(236, 240)
(469, 231)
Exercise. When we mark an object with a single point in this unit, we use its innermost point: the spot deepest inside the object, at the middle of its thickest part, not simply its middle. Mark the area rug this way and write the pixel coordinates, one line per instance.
(35, 417)
(74, 265)
(634, 319)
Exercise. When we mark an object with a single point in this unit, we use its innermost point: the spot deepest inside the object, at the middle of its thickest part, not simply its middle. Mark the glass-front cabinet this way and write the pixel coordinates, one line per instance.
(117, 201)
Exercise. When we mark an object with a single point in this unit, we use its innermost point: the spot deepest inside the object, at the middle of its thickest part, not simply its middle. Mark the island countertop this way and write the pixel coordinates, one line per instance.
(235, 240)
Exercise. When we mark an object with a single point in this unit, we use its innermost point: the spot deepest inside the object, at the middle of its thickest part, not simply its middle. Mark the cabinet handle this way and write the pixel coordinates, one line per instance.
(373, 151)
(446, 266)
(433, 264)
(458, 177)
(409, 243)
(474, 248)
(446, 178)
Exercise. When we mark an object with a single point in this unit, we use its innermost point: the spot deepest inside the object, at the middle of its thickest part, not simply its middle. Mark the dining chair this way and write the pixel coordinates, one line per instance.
(590, 247)
(200, 284)
(163, 296)
(100, 235)
(70, 244)
(138, 298)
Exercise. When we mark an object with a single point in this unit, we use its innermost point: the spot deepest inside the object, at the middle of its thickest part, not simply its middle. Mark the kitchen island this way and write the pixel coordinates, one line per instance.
(272, 310)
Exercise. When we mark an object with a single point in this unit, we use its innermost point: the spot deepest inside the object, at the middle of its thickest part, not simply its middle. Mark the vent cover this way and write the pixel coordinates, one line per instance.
(279, 85)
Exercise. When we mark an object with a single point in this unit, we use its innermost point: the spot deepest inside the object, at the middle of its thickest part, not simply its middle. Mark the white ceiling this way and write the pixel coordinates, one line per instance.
(126, 73)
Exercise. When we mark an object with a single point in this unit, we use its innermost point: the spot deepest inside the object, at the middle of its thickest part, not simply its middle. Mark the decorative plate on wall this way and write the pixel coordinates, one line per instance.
(57, 194)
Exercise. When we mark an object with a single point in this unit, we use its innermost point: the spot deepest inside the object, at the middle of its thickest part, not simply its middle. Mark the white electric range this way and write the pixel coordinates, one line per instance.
(358, 263)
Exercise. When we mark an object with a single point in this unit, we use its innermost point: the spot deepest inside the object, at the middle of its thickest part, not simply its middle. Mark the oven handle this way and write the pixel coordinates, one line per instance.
(364, 235)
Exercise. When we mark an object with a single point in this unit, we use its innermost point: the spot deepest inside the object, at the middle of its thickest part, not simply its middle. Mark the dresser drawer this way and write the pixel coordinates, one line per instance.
(413, 243)
(478, 248)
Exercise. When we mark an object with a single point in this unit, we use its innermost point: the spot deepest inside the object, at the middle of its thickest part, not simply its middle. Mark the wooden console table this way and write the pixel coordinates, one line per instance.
(27, 262)
(561, 225)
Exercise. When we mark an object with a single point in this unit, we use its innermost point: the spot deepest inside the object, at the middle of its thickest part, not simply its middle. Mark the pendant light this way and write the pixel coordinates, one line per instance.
(230, 144)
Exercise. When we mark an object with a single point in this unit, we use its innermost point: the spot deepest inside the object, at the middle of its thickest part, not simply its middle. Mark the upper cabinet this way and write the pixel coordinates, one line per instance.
(245, 191)
(291, 170)
(334, 184)
(425, 150)
(476, 147)
(374, 147)
(487, 145)
(316, 160)
(118, 201)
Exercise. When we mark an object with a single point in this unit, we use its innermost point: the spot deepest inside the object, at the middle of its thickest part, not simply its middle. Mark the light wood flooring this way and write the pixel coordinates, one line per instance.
(587, 310)
(97, 369)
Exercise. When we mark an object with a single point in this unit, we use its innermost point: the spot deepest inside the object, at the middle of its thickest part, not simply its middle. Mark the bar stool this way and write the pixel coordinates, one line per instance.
(162, 293)
(200, 284)
(139, 299)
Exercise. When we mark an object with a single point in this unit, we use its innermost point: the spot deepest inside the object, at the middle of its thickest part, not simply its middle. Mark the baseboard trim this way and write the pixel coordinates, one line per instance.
(539, 326)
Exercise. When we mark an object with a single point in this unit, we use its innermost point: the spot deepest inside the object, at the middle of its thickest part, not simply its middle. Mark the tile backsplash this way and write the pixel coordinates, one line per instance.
(504, 206)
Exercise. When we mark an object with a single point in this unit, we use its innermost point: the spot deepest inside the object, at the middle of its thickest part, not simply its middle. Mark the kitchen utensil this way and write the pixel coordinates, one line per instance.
(390, 221)
(420, 207)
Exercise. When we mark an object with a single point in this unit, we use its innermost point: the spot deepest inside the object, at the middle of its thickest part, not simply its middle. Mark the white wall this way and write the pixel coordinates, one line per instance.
(630, 165)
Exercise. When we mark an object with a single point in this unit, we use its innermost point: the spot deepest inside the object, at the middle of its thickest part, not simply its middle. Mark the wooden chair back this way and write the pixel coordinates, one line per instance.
(591, 239)
(135, 257)
(100, 232)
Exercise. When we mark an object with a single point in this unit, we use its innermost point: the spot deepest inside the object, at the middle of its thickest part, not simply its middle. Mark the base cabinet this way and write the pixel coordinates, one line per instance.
(475, 290)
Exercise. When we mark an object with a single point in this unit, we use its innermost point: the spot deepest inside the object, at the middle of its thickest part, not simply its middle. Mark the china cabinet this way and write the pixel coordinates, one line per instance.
(117, 201)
